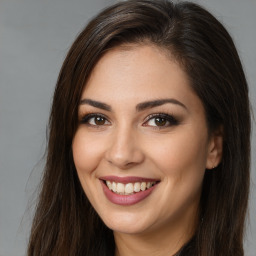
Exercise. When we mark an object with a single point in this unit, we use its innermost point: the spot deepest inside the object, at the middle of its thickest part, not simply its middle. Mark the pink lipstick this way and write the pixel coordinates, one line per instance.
(127, 190)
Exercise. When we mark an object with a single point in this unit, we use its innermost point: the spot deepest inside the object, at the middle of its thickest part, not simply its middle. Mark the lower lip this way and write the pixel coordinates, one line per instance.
(126, 199)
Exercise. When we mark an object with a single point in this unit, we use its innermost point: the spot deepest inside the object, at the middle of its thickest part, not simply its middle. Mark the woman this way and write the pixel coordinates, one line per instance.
(149, 140)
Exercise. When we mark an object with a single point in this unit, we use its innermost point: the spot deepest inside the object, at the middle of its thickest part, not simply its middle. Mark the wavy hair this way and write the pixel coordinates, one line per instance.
(65, 222)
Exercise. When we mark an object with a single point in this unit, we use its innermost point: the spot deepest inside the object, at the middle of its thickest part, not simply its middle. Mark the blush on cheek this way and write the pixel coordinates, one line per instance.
(86, 154)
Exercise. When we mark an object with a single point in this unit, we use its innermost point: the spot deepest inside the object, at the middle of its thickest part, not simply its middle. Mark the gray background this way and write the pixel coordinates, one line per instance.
(34, 38)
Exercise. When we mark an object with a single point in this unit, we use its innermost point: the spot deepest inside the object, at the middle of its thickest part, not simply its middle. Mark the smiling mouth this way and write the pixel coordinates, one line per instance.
(127, 191)
(128, 188)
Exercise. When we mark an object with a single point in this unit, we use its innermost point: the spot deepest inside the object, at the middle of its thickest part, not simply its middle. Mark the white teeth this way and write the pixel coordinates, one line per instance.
(109, 184)
(113, 187)
(129, 188)
(143, 186)
(136, 187)
(120, 188)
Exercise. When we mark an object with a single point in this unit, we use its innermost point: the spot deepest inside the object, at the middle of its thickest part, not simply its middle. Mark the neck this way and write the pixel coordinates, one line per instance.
(156, 242)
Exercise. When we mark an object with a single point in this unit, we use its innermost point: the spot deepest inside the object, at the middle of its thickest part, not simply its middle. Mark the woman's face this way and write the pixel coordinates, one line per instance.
(142, 145)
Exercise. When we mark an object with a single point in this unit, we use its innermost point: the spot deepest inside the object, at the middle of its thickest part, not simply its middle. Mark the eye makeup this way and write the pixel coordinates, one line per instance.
(161, 120)
(94, 119)
(155, 120)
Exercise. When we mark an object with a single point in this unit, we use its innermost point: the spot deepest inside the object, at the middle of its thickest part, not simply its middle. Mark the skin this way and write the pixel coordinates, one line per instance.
(128, 142)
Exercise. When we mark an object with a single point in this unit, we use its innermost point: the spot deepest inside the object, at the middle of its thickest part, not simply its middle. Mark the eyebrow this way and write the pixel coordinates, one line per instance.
(96, 104)
(155, 103)
(139, 107)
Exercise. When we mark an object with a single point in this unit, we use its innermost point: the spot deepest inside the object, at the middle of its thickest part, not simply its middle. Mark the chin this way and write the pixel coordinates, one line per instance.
(129, 223)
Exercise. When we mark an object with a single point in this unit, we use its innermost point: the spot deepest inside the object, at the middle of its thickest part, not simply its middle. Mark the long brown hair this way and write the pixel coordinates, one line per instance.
(65, 222)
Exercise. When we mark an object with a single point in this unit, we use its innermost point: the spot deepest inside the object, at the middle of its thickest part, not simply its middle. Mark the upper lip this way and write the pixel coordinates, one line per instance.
(127, 179)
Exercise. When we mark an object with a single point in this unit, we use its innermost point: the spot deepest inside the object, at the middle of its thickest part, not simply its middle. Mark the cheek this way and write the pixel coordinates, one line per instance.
(87, 152)
(181, 160)
(179, 153)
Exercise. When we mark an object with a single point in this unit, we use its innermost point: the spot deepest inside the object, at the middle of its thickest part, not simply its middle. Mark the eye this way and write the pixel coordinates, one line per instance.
(161, 120)
(95, 120)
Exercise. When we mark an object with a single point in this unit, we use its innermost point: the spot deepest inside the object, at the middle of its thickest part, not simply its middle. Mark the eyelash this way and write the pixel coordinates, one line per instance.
(170, 119)
(85, 119)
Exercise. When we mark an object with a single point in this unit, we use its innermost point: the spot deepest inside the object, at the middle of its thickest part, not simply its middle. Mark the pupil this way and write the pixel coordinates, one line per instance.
(160, 121)
(99, 120)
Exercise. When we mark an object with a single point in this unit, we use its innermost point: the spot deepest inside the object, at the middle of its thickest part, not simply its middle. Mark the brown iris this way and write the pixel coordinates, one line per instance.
(99, 120)
(160, 121)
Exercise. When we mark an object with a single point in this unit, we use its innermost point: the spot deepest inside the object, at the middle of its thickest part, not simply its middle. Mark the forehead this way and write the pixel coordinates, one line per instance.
(137, 73)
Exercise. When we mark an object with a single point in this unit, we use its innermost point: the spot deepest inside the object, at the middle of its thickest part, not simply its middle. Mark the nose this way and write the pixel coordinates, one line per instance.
(124, 149)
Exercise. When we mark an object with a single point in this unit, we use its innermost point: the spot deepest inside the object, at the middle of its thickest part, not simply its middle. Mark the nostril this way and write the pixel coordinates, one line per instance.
(124, 152)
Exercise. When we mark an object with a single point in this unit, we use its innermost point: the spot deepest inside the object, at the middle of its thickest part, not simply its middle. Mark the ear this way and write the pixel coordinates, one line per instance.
(215, 148)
